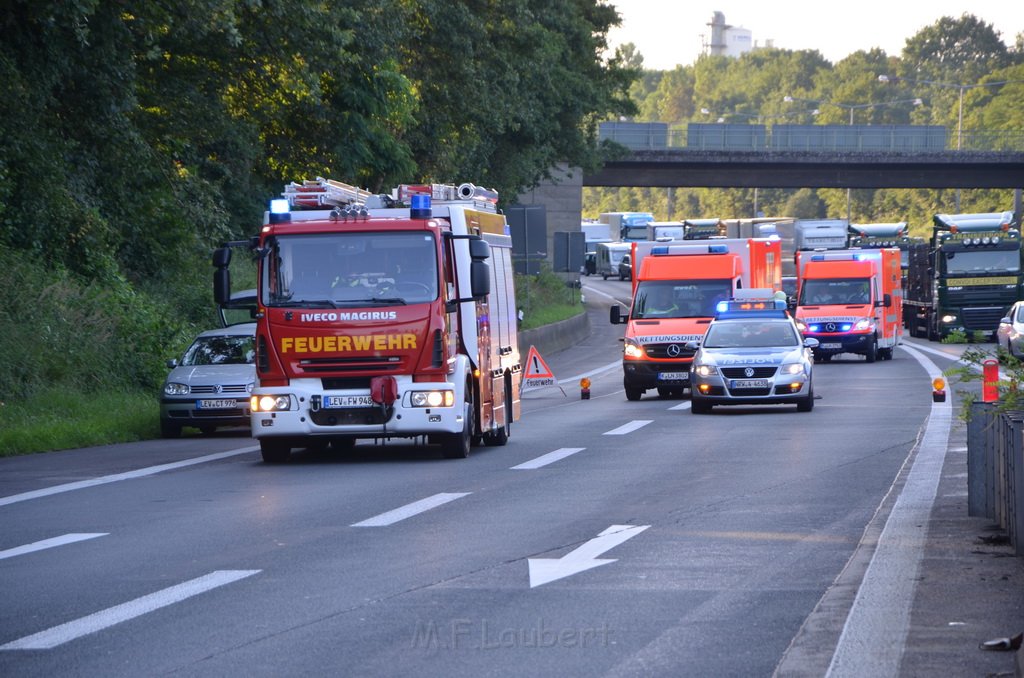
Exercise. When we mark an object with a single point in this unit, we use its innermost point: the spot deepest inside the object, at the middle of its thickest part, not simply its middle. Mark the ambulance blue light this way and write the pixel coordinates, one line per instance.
(420, 208)
(814, 328)
(722, 307)
(845, 327)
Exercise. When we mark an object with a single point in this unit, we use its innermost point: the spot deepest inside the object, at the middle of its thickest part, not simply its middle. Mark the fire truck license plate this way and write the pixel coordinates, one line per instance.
(831, 346)
(215, 404)
(332, 402)
(674, 376)
(748, 383)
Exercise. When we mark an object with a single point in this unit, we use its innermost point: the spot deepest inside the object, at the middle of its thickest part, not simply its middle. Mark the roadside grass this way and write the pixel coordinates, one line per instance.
(60, 419)
(545, 298)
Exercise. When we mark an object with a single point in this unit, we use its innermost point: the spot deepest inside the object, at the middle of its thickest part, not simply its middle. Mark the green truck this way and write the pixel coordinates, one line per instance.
(965, 277)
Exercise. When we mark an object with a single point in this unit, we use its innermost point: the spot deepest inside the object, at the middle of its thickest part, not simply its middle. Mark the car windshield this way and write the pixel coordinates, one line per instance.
(225, 350)
(750, 334)
(679, 298)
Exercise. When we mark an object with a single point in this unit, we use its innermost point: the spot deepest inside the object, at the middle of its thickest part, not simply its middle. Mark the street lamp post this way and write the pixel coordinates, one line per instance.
(852, 108)
(962, 87)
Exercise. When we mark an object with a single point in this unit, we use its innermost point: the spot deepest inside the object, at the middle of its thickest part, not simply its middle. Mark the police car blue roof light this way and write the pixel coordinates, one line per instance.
(722, 307)
(279, 211)
(718, 249)
(747, 308)
(657, 251)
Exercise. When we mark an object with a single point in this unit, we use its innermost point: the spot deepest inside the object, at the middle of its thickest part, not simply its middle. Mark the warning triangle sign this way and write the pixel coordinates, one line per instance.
(536, 368)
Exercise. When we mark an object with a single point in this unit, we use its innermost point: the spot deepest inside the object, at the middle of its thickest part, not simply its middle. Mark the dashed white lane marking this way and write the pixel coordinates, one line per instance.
(409, 510)
(628, 428)
(58, 635)
(129, 475)
(549, 458)
(50, 543)
(681, 406)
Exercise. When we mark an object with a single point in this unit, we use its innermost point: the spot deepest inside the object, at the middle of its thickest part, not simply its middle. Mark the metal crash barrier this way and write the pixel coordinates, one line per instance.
(995, 469)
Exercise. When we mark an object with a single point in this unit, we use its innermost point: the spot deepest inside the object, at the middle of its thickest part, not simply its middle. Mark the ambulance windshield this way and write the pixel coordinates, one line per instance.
(351, 269)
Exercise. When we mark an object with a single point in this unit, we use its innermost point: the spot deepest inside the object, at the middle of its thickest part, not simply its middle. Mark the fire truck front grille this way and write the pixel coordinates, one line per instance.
(353, 416)
(342, 383)
(370, 363)
(667, 351)
(740, 372)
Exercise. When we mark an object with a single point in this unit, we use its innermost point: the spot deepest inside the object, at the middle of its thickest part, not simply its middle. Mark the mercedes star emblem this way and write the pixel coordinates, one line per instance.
(673, 350)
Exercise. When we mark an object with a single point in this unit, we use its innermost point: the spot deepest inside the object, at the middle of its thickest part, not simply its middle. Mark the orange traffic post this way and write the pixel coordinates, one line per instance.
(584, 389)
(990, 381)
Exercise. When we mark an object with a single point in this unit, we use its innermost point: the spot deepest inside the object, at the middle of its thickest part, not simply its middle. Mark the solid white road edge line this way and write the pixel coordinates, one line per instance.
(58, 635)
(129, 475)
(875, 633)
(549, 458)
(409, 510)
(628, 428)
(50, 543)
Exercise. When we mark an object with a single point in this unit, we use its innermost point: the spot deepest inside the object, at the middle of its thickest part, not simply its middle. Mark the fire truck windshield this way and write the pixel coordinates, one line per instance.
(351, 269)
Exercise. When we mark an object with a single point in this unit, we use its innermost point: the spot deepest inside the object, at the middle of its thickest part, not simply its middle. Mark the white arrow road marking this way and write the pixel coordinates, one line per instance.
(549, 458)
(628, 428)
(409, 510)
(140, 473)
(50, 543)
(58, 635)
(544, 570)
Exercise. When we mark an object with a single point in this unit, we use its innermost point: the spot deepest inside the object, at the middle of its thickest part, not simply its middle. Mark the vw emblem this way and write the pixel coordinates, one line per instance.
(830, 327)
(749, 372)
(673, 350)
(217, 388)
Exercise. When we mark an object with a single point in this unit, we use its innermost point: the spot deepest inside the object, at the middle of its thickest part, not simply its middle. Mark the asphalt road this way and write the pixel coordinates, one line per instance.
(607, 538)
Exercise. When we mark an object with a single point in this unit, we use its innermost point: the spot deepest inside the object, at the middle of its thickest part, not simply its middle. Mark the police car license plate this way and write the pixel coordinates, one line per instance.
(216, 404)
(674, 376)
(831, 346)
(748, 383)
(333, 402)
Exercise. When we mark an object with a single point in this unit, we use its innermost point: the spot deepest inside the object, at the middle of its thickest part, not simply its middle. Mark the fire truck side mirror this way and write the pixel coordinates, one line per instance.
(479, 278)
(479, 250)
(222, 257)
(222, 285)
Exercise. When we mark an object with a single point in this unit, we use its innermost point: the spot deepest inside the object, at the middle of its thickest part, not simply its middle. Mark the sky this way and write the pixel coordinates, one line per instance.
(669, 32)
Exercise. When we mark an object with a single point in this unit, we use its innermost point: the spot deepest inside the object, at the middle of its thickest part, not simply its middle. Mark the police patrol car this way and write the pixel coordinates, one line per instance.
(752, 354)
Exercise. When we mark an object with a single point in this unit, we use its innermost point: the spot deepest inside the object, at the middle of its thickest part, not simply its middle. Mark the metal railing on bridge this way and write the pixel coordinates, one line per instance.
(643, 136)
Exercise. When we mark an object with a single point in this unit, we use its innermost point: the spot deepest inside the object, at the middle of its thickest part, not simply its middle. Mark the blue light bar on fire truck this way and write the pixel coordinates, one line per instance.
(663, 250)
(280, 211)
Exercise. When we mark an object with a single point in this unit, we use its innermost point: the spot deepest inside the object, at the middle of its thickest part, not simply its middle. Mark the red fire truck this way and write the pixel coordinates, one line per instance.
(382, 316)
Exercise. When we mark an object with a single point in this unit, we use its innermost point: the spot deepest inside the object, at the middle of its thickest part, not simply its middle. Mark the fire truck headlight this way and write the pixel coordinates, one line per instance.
(949, 318)
(433, 398)
(864, 324)
(270, 403)
(792, 368)
(706, 370)
(633, 349)
(172, 388)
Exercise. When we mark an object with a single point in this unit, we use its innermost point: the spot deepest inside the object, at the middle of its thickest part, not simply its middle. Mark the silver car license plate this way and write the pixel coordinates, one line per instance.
(831, 346)
(216, 404)
(334, 402)
(674, 376)
(748, 383)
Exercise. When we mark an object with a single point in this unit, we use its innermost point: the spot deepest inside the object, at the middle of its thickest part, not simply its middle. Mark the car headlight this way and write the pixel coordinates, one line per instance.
(949, 319)
(174, 388)
(792, 368)
(633, 349)
(433, 398)
(801, 326)
(705, 370)
(270, 403)
(864, 324)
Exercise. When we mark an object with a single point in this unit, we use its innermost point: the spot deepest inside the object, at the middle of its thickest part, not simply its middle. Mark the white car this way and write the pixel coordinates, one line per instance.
(1010, 334)
(752, 357)
(210, 385)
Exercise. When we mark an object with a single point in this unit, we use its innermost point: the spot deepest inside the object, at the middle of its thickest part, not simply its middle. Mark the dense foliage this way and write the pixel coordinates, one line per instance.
(952, 57)
(138, 135)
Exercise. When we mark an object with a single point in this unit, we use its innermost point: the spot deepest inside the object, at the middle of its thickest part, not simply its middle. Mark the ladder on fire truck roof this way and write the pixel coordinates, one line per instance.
(328, 192)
